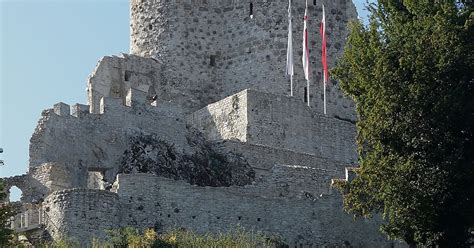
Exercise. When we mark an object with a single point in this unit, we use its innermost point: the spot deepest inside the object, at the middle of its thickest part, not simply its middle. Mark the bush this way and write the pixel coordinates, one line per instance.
(133, 238)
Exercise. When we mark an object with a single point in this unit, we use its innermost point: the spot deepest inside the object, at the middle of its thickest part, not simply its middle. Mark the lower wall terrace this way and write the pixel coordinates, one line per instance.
(151, 201)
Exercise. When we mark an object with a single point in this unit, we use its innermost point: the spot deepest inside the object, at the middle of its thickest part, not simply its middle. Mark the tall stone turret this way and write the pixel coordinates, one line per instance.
(211, 49)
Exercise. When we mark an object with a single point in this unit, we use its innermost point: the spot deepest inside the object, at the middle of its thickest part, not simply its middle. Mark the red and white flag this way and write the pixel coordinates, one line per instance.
(324, 57)
(305, 44)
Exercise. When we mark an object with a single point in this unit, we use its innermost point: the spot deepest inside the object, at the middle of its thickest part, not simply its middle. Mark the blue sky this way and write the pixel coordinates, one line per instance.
(47, 51)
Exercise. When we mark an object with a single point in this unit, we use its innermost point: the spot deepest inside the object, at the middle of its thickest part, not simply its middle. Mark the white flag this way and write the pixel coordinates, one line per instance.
(305, 44)
(289, 53)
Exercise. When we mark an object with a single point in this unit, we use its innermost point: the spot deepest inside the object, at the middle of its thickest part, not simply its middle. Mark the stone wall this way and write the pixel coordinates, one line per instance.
(280, 122)
(262, 158)
(224, 120)
(301, 219)
(284, 122)
(80, 140)
(212, 49)
(81, 214)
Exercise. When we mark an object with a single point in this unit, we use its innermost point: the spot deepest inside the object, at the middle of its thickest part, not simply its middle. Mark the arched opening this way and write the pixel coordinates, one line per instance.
(15, 194)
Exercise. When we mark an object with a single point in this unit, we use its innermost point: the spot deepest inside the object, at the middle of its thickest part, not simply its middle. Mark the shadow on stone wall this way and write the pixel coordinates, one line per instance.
(206, 166)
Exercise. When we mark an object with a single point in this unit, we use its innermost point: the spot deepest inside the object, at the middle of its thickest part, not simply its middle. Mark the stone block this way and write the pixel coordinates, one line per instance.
(110, 104)
(79, 110)
(61, 109)
(136, 97)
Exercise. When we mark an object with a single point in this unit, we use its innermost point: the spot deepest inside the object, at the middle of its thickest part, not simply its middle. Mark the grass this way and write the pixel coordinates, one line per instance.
(177, 238)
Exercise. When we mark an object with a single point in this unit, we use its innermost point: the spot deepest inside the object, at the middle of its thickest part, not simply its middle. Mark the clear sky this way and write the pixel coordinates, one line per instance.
(47, 51)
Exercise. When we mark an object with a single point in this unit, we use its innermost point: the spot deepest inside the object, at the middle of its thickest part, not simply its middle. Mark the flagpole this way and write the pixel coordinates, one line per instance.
(307, 81)
(291, 85)
(323, 57)
(307, 91)
(325, 97)
(306, 53)
(289, 54)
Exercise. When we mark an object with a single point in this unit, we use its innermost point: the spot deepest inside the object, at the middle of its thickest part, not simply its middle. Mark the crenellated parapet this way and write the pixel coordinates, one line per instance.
(87, 143)
(134, 98)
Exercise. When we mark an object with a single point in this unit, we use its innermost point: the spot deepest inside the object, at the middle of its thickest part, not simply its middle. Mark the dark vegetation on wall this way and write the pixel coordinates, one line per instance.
(206, 166)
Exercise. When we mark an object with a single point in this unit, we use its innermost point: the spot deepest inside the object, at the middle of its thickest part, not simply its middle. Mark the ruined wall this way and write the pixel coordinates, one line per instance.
(81, 214)
(29, 216)
(212, 49)
(226, 119)
(280, 122)
(40, 181)
(284, 122)
(79, 140)
(301, 219)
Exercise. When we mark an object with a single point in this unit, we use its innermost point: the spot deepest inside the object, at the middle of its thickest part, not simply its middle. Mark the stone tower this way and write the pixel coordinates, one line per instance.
(210, 49)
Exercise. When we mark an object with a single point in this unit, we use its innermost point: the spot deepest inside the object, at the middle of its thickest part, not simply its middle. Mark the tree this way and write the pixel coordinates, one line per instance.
(410, 73)
(5, 213)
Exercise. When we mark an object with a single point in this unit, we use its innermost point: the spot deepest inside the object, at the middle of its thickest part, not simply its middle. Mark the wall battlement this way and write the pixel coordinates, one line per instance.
(134, 99)
(277, 121)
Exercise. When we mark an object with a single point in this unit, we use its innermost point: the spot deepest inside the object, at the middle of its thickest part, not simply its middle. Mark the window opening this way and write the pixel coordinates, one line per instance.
(212, 60)
(251, 10)
(127, 76)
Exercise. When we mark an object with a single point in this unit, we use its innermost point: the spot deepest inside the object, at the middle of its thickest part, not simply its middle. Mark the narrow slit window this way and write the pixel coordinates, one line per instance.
(212, 60)
(305, 97)
(251, 10)
(127, 75)
(314, 2)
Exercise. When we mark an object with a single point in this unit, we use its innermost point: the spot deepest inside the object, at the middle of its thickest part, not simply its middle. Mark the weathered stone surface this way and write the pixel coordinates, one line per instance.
(99, 140)
(195, 58)
(302, 219)
(206, 166)
(93, 212)
(277, 121)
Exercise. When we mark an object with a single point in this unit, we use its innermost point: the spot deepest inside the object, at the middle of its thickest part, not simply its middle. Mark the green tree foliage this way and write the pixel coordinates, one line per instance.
(6, 234)
(410, 72)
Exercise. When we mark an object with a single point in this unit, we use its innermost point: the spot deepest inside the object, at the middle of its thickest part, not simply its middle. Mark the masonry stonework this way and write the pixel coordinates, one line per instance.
(196, 129)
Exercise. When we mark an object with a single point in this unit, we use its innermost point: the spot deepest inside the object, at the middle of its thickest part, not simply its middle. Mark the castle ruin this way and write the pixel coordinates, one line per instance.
(195, 129)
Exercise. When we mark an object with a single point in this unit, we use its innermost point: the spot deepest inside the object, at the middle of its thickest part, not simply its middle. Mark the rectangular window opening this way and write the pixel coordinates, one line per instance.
(251, 10)
(212, 60)
(127, 76)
